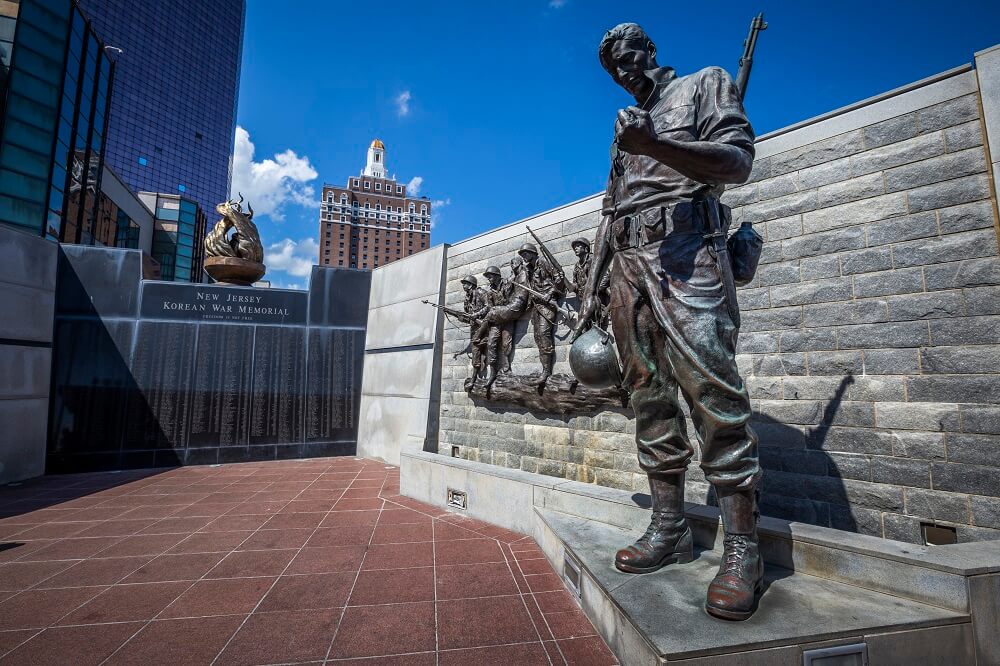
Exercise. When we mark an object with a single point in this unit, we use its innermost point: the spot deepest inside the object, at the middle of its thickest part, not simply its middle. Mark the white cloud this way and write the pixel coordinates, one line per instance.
(413, 187)
(271, 184)
(436, 206)
(294, 258)
(557, 4)
(403, 103)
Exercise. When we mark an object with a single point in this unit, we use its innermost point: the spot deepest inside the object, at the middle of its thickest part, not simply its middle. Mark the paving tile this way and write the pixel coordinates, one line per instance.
(21, 550)
(358, 504)
(327, 560)
(309, 506)
(252, 563)
(399, 556)
(348, 535)
(569, 624)
(463, 581)
(361, 493)
(590, 651)
(40, 608)
(142, 544)
(213, 509)
(53, 530)
(309, 520)
(178, 525)
(418, 659)
(556, 602)
(257, 508)
(22, 575)
(14, 637)
(150, 512)
(547, 582)
(102, 571)
(402, 628)
(532, 567)
(444, 531)
(281, 637)
(309, 591)
(184, 566)
(264, 539)
(212, 542)
(468, 551)
(87, 645)
(402, 516)
(182, 642)
(71, 549)
(226, 596)
(474, 622)
(406, 533)
(118, 527)
(342, 518)
(228, 523)
(393, 586)
(524, 654)
(123, 603)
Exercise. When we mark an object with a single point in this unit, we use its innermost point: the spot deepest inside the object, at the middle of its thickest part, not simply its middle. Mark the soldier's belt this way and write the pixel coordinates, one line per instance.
(654, 224)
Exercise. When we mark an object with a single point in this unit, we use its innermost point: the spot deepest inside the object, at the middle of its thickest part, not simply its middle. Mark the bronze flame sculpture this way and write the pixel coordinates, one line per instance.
(237, 258)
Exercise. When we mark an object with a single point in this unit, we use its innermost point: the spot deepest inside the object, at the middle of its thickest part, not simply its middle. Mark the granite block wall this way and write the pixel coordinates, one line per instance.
(871, 333)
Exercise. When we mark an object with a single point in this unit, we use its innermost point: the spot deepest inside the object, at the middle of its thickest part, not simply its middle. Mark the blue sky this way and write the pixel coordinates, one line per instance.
(502, 109)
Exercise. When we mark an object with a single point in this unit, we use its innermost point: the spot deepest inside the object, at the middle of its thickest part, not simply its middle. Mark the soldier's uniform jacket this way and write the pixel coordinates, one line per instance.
(476, 303)
(545, 280)
(704, 106)
(581, 271)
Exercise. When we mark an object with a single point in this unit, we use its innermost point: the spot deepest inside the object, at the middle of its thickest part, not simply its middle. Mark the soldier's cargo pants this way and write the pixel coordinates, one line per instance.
(674, 331)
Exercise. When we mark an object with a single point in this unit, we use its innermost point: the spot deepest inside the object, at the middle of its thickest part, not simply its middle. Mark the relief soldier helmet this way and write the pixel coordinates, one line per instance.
(528, 247)
(580, 241)
(470, 280)
(491, 270)
(593, 360)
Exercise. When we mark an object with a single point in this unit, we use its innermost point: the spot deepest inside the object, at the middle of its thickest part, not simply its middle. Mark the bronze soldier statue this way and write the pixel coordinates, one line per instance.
(475, 308)
(673, 308)
(547, 280)
(581, 271)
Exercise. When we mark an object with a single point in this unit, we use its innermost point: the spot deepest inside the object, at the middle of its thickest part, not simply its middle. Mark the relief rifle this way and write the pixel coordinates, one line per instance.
(458, 314)
(549, 256)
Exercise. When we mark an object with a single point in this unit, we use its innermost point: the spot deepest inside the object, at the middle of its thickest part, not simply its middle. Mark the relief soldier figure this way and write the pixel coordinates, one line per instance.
(581, 271)
(547, 281)
(494, 331)
(672, 303)
(475, 307)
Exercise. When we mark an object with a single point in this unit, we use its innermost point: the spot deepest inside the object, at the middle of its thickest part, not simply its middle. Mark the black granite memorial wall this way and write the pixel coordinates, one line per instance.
(149, 373)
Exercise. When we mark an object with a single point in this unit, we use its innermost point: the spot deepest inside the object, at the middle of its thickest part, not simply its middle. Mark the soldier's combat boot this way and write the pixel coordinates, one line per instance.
(492, 377)
(548, 361)
(668, 538)
(732, 594)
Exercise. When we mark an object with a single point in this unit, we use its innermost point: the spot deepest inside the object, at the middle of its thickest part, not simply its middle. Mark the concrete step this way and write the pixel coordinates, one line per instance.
(660, 617)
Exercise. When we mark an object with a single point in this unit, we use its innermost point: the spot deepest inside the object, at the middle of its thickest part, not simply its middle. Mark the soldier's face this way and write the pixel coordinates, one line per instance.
(529, 258)
(581, 250)
(467, 287)
(632, 58)
(494, 280)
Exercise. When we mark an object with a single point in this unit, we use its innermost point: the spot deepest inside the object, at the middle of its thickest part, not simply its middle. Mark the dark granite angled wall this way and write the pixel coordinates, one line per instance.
(150, 373)
(871, 334)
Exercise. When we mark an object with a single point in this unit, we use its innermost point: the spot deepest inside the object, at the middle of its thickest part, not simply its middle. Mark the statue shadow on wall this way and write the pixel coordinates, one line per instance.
(821, 500)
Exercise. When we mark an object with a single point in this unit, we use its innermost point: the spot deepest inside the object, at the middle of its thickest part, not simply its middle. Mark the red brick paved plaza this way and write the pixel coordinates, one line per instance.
(271, 563)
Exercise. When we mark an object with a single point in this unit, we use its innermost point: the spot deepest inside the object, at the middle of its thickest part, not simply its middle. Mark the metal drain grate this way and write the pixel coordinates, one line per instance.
(457, 499)
(855, 654)
(571, 573)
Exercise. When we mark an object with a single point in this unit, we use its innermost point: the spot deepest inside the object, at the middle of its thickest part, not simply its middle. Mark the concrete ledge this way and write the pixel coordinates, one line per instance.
(934, 575)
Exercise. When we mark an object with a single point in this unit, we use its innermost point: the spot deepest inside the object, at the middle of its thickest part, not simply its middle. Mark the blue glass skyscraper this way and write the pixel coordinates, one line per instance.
(173, 110)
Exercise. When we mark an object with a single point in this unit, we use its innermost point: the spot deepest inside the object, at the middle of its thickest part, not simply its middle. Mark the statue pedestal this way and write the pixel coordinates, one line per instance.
(902, 603)
(233, 270)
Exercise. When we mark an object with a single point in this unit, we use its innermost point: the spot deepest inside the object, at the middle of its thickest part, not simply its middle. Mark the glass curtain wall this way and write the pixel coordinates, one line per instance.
(54, 123)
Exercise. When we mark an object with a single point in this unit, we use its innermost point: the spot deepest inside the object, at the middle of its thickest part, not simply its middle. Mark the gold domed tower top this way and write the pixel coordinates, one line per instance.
(377, 143)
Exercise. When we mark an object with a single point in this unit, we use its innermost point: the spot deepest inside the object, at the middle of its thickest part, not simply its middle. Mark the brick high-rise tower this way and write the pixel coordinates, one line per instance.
(371, 222)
